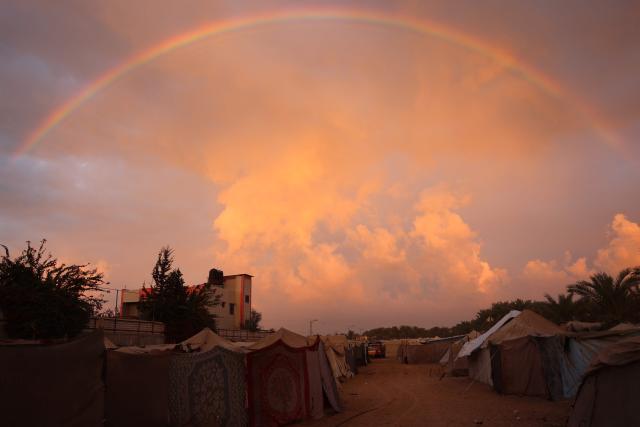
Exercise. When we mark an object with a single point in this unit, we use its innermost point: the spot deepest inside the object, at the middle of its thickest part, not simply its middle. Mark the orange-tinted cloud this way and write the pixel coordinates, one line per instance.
(363, 174)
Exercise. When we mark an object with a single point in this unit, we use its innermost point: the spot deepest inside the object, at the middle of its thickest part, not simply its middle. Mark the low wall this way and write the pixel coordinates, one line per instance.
(127, 332)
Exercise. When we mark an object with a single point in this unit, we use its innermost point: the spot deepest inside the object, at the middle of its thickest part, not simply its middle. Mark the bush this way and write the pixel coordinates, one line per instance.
(43, 300)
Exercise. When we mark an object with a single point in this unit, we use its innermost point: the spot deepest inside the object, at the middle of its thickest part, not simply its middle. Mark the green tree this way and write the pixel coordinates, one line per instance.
(42, 299)
(613, 300)
(564, 308)
(253, 324)
(183, 310)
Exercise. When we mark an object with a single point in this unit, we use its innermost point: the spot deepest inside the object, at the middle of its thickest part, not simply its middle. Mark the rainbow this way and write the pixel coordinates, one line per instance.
(424, 27)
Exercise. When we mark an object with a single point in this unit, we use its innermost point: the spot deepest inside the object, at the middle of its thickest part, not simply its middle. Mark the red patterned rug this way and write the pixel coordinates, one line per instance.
(278, 385)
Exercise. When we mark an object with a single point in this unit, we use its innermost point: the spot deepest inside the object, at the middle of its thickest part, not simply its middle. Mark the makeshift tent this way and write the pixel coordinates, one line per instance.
(329, 385)
(483, 365)
(454, 366)
(517, 368)
(528, 323)
(286, 336)
(53, 385)
(137, 387)
(432, 351)
(478, 354)
(208, 384)
(516, 361)
(335, 349)
(477, 342)
(392, 347)
(278, 384)
(609, 393)
(318, 376)
(360, 351)
(578, 352)
(480, 366)
(350, 357)
(576, 326)
(160, 385)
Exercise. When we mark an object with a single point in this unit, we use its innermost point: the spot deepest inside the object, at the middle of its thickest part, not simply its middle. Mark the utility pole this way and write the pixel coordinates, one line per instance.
(116, 310)
(311, 326)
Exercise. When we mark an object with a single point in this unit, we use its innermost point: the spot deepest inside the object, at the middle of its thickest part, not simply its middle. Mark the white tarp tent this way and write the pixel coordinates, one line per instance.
(476, 343)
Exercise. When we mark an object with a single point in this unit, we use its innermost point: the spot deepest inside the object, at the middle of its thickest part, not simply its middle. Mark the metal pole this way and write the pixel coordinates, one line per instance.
(116, 310)
(311, 326)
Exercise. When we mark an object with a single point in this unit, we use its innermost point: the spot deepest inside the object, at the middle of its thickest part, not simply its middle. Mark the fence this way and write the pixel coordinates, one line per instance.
(128, 331)
(242, 334)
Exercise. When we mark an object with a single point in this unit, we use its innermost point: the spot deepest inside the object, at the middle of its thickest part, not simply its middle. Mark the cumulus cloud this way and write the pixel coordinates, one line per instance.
(622, 250)
(363, 173)
(306, 246)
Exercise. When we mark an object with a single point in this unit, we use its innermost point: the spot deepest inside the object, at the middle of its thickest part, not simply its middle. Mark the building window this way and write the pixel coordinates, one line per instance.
(232, 308)
(223, 303)
(246, 299)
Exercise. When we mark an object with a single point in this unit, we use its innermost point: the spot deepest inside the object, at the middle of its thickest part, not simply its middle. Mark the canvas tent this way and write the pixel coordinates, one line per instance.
(507, 357)
(53, 385)
(578, 350)
(432, 351)
(454, 366)
(609, 393)
(300, 365)
(477, 351)
(163, 384)
(335, 350)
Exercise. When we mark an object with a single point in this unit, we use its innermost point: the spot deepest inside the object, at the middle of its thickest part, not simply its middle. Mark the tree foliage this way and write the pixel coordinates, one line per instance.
(42, 299)
(611, 300)
(184, 310)
(603, 299)
(253, 324)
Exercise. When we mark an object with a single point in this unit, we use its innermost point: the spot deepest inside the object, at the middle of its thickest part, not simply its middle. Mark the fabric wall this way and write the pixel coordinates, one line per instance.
(552, 354)
(608, 397)
(278, 385)
(53, 385)
(480, 366)
(350, 357)
(426, 353)
(577, 357)
(208, 389)
(520, 369)
(137, 388)
(329, 385)
(314, 375)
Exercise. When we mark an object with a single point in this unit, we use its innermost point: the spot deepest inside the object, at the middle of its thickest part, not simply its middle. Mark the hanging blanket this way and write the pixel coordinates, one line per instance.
(208, 389)
(278, 385)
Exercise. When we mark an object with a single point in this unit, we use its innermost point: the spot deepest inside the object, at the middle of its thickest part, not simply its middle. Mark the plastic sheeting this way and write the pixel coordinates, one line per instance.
(476, 343)
(609, 393)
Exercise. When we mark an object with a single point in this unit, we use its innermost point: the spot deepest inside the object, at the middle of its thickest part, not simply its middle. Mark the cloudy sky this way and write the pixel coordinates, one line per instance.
(370, 163)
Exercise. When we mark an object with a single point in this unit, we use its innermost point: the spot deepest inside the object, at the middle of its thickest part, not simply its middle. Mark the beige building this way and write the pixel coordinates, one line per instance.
(232, 312)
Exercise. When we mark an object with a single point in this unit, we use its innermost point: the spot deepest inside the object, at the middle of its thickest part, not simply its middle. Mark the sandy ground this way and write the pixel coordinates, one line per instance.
(388, 393)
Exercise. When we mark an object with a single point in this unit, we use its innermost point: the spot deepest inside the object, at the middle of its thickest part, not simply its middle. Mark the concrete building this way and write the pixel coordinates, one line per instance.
(232, 312)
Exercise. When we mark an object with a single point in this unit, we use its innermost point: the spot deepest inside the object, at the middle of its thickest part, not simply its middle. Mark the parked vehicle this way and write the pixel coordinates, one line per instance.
(377, 350)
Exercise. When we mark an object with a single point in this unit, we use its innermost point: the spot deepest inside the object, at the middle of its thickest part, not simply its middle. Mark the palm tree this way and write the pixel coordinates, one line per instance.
(562, 309)
(614, 298)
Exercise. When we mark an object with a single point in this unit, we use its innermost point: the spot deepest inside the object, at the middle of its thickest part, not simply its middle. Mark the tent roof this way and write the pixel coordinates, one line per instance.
(620, 353)
(206, 340)
(289, 338)
(475, 343)
(528, 323)
(624, 327)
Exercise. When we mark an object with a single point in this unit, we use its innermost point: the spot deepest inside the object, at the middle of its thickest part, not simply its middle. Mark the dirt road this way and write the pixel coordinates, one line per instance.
(388, 393)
